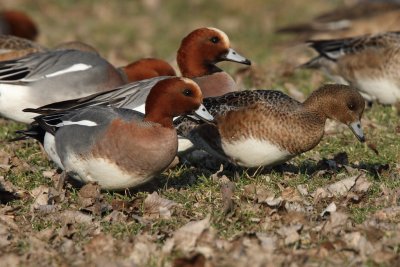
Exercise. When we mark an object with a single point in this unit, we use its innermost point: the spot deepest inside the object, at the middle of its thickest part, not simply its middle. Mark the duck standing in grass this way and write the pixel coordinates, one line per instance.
(265, 127)
(370, 63)
(120, 148)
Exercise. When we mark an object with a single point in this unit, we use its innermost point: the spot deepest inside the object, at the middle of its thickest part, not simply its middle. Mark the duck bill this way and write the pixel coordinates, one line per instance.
(234, 56)
(203, 114)
(357, 130)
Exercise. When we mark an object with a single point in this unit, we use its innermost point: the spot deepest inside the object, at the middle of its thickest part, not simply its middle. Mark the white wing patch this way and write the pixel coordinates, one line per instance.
(73, 68)
(82, 123)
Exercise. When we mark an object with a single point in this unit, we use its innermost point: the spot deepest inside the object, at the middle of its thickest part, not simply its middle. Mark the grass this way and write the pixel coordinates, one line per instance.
(127, 30)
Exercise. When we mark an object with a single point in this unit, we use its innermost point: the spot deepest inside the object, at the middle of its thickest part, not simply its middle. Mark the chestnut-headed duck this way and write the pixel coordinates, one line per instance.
(198, 53)
(45, 77)
(120, 148)
(364, 17)
(370, 63)
(17, 23)
(266, 127)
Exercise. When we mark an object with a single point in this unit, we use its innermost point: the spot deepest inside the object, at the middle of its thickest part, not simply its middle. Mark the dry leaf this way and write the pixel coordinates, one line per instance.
(336, 223)
(227, 189)
(329, 210)
(143, 250)
(157, 207)
(100, 244)
(387, 214)
(196, 260)
(41, 196)
(358, 242)
(290, 233)
(362, 185)
(342, 187)
(185, 238)
(291, 194)
(73, 216)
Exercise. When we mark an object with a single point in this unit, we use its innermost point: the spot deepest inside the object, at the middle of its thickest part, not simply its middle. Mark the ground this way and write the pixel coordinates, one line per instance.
(335, 205)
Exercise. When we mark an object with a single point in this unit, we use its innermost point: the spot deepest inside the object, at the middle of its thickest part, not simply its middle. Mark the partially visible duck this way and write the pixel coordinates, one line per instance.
(12, 47)
(265, 127)
(17, 23)
(364, 17)
(45, 77)
(120, 148)
(370, 63)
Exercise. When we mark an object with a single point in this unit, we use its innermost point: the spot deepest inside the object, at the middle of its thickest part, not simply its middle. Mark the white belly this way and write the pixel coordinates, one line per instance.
(13, 99)
(106, 173)
(49, 146)
(255, 153)
(382, 90)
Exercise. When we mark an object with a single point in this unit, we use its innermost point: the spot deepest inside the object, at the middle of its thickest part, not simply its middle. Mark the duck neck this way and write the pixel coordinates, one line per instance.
(317, 104)
(163, 120)
(192, 64)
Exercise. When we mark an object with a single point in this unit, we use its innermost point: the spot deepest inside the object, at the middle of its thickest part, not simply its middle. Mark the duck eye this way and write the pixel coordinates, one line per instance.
(351, 106)
(187, 92)
(214, 39)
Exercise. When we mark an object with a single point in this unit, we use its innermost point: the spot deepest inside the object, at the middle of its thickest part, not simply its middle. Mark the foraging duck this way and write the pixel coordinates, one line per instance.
(266, 127)
(369, 63)
(120, 148)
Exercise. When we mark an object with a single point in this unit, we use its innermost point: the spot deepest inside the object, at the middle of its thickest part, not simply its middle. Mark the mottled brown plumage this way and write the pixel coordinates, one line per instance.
(274, 119)
(370, 63)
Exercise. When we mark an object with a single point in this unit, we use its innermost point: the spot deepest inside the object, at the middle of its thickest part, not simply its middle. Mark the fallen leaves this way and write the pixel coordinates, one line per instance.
(157, 207)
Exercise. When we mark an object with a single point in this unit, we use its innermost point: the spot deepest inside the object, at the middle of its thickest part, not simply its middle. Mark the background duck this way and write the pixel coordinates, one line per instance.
(363, 17)
(17, 23)
(370, 63)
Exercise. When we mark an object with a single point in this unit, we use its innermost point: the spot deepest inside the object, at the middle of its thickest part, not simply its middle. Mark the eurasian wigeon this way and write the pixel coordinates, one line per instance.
(363, 17)
(266, 127)
(199, 51)
(17, 23)
(370, 63)
(120, 148)
(45, 77)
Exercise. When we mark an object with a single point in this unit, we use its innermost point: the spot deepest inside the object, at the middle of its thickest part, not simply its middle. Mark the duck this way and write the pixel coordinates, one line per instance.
(18, 23)
(363, 17)
(115, 147)
(369, 63)
(255, 128)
